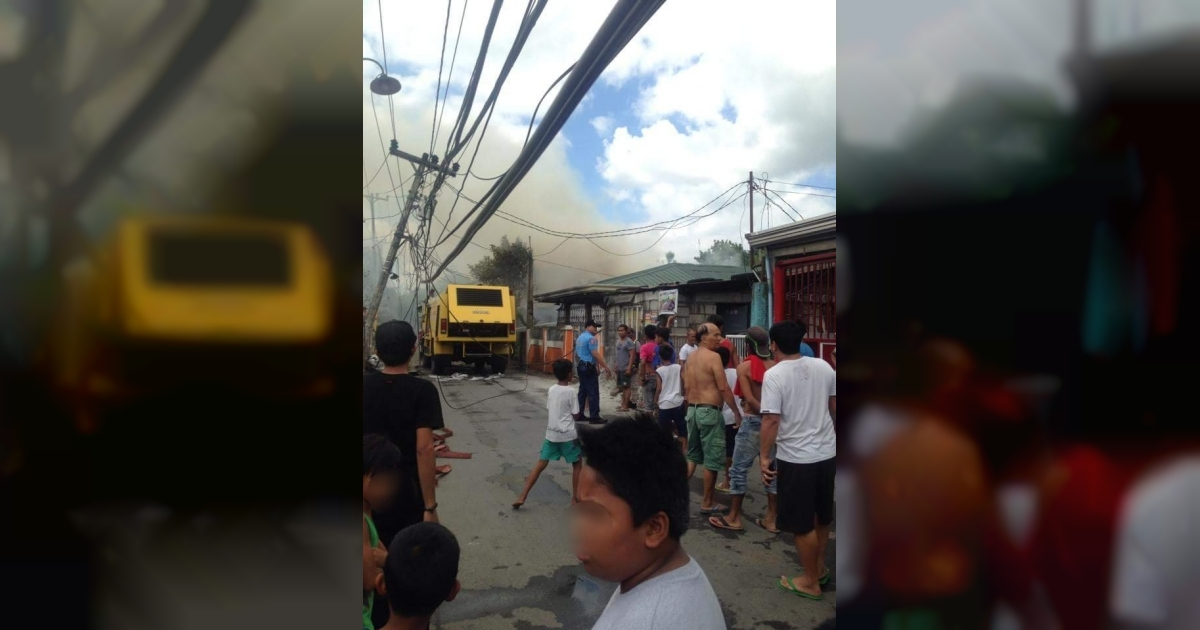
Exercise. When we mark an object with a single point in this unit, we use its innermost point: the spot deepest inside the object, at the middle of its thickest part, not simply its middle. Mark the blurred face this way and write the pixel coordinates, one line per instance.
(379, 488)
(691, 338)
(606, 542)
(622, 332)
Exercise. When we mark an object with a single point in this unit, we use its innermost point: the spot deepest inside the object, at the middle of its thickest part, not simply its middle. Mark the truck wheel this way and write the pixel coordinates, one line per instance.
(499, 364)
(441, 365)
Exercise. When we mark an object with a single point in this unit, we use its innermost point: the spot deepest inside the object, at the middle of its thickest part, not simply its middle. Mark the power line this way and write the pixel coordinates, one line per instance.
(771, 192)
(622, 24)
(772, 181)
(634, 231)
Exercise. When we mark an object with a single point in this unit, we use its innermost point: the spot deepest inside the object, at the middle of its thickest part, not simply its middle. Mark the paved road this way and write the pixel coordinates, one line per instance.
(517, 568)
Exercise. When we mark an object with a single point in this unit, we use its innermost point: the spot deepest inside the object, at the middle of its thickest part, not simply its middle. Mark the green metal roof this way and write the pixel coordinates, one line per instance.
(674, 273)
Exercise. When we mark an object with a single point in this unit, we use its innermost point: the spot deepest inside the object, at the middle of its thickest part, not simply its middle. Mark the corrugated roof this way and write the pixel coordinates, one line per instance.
(674, 273)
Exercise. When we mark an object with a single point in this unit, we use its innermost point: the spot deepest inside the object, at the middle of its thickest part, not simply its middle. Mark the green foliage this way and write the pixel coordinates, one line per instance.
(507, 265)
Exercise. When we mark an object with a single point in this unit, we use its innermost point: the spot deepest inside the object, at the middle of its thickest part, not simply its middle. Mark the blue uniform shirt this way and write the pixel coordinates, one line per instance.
(584, 347)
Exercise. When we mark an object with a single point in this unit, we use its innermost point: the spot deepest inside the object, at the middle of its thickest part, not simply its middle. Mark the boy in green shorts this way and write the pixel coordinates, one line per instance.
(381, 476)
(561, 441)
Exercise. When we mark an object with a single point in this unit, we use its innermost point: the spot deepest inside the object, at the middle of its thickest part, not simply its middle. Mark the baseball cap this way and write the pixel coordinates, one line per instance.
(759, 342)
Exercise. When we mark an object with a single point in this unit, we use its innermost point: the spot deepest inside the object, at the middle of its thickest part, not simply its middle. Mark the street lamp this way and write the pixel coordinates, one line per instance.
(383, 84)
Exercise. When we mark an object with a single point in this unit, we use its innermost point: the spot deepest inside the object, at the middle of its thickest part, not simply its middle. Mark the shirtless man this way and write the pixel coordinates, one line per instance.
(750, 377)
(707, 392)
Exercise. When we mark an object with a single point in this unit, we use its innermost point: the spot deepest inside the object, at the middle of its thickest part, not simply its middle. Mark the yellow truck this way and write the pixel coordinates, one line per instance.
(170, 301)
(474, 324)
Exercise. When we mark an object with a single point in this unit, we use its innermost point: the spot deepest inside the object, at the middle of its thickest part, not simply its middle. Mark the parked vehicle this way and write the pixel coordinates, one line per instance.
(474, 324)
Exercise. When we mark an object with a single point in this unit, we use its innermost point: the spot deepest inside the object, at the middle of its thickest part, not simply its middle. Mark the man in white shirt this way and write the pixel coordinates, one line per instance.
(1156, 566)
(631, 515)
(689, 347)
(799, 400)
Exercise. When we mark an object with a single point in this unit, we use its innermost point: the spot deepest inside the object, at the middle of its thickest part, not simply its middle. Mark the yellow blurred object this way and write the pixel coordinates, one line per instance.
(221, 279)
(170, 300)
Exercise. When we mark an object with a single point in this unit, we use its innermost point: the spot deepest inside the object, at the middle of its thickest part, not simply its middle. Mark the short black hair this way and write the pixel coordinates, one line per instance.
(663, 332)
(725, 356)
(650, 331)
(641, 463)
(666, 353)
(716, 320)
(379, 454)
(622, 327)
(395, 342)
(787, 336)
(421, 568)
(562, 369)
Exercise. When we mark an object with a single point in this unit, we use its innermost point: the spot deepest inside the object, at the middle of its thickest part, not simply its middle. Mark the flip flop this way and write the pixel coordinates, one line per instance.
(720, 523)
(759, 522)
(724, 490)
(444, 470)
(825, 578)
(717, 509)
(791, 588)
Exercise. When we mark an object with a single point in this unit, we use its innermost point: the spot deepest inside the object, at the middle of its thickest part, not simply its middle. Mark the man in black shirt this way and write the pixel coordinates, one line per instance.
(407, 409)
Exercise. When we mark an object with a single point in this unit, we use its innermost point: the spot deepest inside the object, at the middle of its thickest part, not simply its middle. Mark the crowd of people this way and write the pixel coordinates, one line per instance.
(630, 477)
(964, 505)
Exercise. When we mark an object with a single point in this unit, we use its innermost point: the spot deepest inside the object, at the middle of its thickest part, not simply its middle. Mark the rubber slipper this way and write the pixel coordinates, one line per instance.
(791, 588)
(825, 578)
(759, 522)
(724, 490)
(718, 509)
(720, 523)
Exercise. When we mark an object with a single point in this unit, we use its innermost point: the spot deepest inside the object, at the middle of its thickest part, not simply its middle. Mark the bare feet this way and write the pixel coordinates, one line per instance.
(518, 503)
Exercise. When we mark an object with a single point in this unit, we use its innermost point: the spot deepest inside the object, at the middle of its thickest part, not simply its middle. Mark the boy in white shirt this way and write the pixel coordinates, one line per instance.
(671, 413)
(562, 403)
(731, 423)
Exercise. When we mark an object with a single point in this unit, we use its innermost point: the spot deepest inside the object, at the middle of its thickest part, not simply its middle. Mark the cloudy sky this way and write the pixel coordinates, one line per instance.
(701, 97)
(898, 58)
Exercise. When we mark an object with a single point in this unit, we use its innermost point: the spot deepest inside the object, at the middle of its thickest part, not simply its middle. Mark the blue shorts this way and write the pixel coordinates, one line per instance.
(569, 451)
(674, 420)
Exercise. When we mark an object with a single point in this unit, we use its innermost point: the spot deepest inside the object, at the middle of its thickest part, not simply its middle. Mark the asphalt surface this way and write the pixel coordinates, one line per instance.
(517, 569)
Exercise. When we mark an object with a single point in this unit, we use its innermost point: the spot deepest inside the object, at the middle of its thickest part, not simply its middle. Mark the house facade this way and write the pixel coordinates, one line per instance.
(797, 266)
(675, 295)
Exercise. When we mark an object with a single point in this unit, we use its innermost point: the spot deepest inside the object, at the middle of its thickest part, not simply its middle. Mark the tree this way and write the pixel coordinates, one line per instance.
(507, 266)
(725, 252)
(670, 257)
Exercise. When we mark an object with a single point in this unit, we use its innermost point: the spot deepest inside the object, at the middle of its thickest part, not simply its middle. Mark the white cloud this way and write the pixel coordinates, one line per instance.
(772, 64)
(602, 124)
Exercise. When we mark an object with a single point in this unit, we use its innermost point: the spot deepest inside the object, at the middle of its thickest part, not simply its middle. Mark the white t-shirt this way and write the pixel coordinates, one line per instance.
(672, 390)
(1156, 572)
(731, 376)
(563, 403)
(680, 600)
(685, 351)
(799, 391)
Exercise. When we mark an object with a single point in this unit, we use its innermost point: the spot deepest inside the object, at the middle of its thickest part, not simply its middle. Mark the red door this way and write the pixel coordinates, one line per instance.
(806, 289)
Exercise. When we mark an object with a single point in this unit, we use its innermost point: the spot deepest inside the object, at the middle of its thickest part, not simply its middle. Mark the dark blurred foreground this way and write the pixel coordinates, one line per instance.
(1019, 361)
(210, 502)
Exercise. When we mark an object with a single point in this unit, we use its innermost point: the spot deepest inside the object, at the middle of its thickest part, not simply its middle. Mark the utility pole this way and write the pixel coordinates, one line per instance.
(529, 321)
(424, 164)
(751, 183)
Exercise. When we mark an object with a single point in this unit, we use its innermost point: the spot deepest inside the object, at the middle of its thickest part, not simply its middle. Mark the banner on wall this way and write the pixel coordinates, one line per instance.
(668, 301)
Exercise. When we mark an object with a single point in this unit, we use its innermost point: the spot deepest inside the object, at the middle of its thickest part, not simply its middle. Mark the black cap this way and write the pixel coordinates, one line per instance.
(591, 323)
